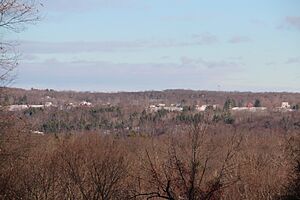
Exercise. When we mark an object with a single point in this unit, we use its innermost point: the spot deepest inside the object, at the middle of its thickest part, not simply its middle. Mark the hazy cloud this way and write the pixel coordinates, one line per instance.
(105, 75)
(205, 64)
(259, 22)
(290, 22)
(293, 60)
(86, 5)
(37, 47)
(239, 39)
(271, 63)
(78, 46)
(205, 38)
(183, 18)
(29, 57)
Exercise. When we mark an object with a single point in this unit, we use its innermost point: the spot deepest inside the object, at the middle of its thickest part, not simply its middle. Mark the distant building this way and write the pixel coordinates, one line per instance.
(172, 108)
(285, 105)
(204, 107)
(254, 109)
(36, 106)
(201, 108)
(38, 132)
(48, 104)
(154, 108)
(240, 108)
(251, 109)
(14, 108)
(85, 103)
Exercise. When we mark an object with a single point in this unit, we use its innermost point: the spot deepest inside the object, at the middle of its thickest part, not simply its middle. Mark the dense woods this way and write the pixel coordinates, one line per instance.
(112, 151)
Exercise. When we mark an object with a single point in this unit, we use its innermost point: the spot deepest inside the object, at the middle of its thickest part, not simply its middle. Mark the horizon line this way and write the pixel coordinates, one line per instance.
(147, 90)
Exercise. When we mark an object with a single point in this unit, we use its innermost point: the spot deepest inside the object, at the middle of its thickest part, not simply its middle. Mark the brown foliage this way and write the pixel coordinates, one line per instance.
(200, 161)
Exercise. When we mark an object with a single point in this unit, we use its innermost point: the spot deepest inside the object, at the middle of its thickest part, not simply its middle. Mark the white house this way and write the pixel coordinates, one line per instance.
(85, 103)
(240, 108)
(161, 105)
(154, 108)
(36, 106)
(252, 109)
(201, 108)
(204, 107)
(38, 132)
(285, 105)
(48, 104)
(172, 108)
(17, 107)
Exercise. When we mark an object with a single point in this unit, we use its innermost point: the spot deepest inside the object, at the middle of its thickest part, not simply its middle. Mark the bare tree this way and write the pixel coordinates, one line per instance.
(94, 168)
(14, 15)
(191, 167)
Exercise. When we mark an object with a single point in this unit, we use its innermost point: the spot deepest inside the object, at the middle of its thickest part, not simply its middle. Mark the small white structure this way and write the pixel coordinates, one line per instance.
(48, 104)
(36, 106)
(204, 107)
(259, 108)
(240, 108)
(172, 108)
(285, 105)
(154, 108)
(14, 108)
(85, 103)
(201, 108)
(38, 132)
(252, 109)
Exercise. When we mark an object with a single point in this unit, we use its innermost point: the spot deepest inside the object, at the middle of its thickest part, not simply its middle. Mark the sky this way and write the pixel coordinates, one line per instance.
(136, 45)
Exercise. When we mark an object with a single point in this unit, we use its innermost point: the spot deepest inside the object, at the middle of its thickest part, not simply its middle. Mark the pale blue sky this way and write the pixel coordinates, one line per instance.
(114, 45)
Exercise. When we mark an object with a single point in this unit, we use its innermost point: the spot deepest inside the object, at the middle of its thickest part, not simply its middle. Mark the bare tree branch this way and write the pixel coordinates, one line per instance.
(14, 15)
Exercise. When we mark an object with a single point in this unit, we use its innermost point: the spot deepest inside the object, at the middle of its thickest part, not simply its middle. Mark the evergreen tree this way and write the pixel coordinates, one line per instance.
(257, 103)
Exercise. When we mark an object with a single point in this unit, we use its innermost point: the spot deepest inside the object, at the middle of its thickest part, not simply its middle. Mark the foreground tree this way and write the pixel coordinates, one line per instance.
(292, 189)
(14, 142)
(14, 16)
(186, 167)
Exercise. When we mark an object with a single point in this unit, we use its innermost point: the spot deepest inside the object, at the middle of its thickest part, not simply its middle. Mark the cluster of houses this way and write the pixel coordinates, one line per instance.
(171, 108)
(14, 108)
(285, 107)
(205, 107)
(249, 107)
(25, 107)
(81, 104)
(178, 107)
